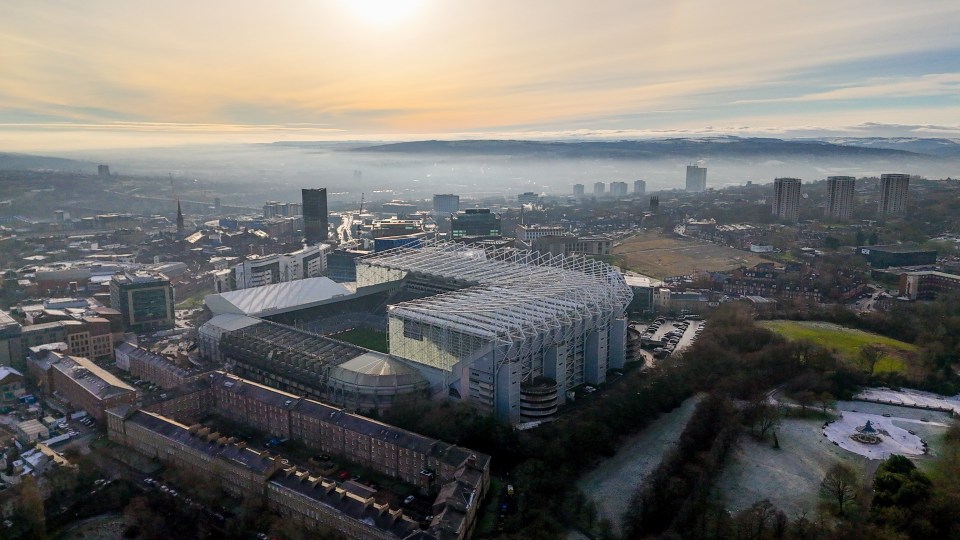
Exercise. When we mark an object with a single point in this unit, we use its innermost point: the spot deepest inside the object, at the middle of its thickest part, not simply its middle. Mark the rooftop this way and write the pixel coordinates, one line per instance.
(90, 376)
(277, 298)
(507, 293)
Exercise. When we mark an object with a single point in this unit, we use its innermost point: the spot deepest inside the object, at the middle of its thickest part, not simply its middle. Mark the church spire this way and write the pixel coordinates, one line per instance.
(179, 218)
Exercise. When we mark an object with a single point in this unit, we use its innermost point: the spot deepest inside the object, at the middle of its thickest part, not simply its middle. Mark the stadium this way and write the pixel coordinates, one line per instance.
(509, 331)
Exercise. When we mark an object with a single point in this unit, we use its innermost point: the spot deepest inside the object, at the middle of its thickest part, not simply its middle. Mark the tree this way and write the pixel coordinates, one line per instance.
(840, 485)
(861, 237)
(805, 398)
(826, 401)
(762, 417)
(31, 507)
(870, 354)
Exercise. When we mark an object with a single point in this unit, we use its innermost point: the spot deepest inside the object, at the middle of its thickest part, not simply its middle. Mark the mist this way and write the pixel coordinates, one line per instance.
(247, 175)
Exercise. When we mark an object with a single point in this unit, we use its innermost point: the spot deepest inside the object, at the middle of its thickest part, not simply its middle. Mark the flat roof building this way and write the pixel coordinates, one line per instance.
(786, 199)
(87, 386)
(145, 302)
(446, 203)
(315, 219)
(840, 197)
(893, 194)
(11, 347)
(476, 223)
(696, 178)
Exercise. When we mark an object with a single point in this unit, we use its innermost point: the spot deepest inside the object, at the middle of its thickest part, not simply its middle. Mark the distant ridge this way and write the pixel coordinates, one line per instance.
(27, 162)
(681, 148)
(931, 146)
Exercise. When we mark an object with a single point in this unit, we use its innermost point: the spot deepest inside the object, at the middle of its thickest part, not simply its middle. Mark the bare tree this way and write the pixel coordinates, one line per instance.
(804, 398)
(763, 417)
(826, 401)
(840, 484)
(870, 354)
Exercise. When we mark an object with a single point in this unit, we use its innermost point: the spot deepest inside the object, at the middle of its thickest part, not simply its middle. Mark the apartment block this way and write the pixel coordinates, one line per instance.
(840, 197)
(786, 201)
(893, 194)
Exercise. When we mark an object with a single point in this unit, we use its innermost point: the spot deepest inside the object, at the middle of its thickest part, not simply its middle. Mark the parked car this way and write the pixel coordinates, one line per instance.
(409, 499)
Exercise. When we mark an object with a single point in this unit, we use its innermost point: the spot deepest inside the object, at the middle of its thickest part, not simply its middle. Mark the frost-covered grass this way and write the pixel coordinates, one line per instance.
(612, 483)
(789, 476)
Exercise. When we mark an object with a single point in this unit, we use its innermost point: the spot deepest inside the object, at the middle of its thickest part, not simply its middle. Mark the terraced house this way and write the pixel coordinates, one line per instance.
(456, 477)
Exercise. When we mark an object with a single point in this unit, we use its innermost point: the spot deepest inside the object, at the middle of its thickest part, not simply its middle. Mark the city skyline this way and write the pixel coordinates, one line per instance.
(99, 75)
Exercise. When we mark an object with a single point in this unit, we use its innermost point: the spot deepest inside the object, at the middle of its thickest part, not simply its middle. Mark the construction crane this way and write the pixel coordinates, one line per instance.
(360, 216)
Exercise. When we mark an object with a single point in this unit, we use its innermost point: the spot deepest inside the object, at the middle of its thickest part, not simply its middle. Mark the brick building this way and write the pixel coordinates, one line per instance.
(153, 367)
(456, 476)
(85, 385)
(311, 501)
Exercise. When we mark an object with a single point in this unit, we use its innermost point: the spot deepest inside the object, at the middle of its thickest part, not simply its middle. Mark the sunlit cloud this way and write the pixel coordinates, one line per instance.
(355, 70)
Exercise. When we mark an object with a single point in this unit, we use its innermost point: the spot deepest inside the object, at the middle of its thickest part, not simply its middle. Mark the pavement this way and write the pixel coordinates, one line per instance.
(893, 439)
(911, 398)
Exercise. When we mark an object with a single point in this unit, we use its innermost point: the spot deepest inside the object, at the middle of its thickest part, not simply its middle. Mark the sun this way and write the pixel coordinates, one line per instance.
(383, 11)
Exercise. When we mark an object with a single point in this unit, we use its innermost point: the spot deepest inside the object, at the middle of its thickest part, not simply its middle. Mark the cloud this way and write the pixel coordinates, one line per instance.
(935, 84)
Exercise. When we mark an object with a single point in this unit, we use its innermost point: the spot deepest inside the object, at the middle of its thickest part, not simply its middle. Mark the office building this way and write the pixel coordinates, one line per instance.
(315, 223)
(400, 209)
(897, 255)
(839, 197)
(11, 347)
(893, 194)
(281, 209)
(145, 302)
(311, 261)
(90, 337)
(696, 178)
(578, 190)
(786, 199)
(528, 197)
(599, 188)
(475, 222)
(446, 203)
(526, 234)
(639, 187)
(618, 189)
(928, 285)
(572, 245)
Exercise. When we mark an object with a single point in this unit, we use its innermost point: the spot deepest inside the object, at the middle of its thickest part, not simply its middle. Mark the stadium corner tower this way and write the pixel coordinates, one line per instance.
(509, 331)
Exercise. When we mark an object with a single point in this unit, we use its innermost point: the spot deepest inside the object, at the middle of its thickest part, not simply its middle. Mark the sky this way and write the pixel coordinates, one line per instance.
(141, 73)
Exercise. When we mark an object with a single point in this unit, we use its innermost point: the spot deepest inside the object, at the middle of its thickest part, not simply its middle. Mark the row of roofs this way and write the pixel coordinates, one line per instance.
(340, 417)
(343, 498)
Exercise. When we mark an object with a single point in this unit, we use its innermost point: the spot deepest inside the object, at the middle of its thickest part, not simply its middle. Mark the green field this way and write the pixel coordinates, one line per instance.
(847, 342)
(370, 339)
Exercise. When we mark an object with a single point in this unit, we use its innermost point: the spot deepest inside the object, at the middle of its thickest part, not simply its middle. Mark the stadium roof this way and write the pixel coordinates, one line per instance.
(278, 298)
(507, 293)
(376, 370)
